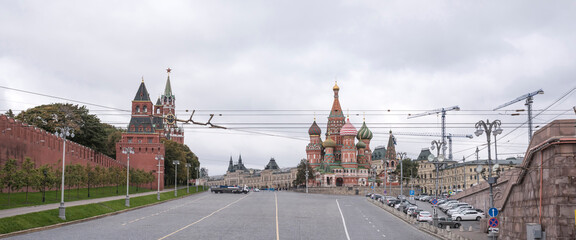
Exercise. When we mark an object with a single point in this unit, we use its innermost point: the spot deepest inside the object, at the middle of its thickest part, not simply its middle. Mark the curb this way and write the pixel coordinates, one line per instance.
(5, 235)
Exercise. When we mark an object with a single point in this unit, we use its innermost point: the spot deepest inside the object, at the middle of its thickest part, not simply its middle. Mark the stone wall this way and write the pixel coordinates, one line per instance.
(20, 141)
(542, 190)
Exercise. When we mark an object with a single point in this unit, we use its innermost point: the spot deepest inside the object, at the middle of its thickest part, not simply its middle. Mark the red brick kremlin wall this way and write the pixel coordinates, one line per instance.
(20, 141)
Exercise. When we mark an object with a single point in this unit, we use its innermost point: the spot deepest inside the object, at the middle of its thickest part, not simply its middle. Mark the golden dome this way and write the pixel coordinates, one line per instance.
(336, 86)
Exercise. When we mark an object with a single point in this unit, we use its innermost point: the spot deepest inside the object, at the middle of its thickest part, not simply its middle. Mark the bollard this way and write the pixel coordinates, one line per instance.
(461, 228)
(470, 229)
(448, 228)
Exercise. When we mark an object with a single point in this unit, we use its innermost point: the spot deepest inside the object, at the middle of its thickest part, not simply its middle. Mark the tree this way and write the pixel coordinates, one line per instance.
(408, 167)
(11, 177)
(88, 129)
(44, 177)
(89, 176)
(9, 113)
(28, 173)
(180, 152)
(301, 174)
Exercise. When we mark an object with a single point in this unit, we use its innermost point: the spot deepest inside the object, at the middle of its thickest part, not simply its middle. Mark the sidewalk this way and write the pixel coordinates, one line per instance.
(38, 208)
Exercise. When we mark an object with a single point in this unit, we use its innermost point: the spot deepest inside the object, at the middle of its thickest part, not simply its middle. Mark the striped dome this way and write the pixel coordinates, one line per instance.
(348, 129)
(360, 144)
(364, 133)
(314, 129)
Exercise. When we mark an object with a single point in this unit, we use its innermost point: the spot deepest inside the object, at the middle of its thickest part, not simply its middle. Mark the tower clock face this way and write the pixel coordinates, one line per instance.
(170, 119)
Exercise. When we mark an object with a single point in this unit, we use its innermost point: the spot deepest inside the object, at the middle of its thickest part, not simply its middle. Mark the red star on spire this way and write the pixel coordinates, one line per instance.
(168, 70)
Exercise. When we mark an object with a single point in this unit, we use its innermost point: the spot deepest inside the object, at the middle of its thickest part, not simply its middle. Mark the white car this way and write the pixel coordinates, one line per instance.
(424, 216)
(467, 215)
(256, 190)
(457, 209)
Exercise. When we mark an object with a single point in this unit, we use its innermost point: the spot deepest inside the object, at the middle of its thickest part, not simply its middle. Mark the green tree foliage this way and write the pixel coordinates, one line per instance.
(44, 178)
(9, 113)
(408, 167)
(28, 173)
(88, 129)
(180, 152)
(301, 174)
(10, 176)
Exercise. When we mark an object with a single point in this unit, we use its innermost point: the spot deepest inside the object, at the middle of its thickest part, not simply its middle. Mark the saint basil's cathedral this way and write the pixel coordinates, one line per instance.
(339, 160)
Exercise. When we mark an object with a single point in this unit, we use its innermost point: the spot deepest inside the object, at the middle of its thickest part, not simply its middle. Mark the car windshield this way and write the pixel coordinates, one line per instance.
(423, 213)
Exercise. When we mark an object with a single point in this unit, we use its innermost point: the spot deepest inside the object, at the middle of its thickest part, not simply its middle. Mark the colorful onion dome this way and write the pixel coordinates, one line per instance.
(360, 144)
(329, 143)
(314, 129)
(348, 129)
(364, 133)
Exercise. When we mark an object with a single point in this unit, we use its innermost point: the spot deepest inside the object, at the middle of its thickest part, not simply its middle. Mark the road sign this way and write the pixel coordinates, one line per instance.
(493, 222)
(450, 192)
(384, 191)
(493, 212)
(434, 201)
(372, 187)
(411, 192)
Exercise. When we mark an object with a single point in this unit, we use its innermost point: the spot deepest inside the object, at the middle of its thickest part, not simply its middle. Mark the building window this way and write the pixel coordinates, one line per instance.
(137, 108)
(145, 109)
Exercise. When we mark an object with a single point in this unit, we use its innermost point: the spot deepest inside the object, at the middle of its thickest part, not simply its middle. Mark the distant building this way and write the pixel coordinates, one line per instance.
(271, 177)
(149, 124)
(453, 176)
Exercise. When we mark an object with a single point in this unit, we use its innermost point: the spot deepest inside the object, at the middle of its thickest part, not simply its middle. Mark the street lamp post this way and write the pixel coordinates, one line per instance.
(374, 179)
(188, 166)
(159, 158)
(306, 176)
(436, 161)
(63, 133)
(489, 128)
(128, 151)
(401, 156)
(197, 177)
(385, 181)
(176, 163)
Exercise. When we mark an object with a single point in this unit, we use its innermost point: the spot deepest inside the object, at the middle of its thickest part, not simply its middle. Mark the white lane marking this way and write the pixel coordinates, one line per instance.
(343, 221)
(202, 219)
(277, 231)
(158, 213)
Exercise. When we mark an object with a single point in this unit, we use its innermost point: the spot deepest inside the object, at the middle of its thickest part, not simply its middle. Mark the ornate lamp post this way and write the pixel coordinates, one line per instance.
(188, 165)
(436, 161)
(489, 128)
(176, 163)
(159, 158)
(128, 151)
(63, 133)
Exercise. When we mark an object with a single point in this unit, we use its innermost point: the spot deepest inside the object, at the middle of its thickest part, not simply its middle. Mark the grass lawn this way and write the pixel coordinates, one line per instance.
(18, 199)
(50, 217)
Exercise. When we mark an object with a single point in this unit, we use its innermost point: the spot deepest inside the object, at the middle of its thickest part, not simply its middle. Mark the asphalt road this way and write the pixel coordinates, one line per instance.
(257, 215)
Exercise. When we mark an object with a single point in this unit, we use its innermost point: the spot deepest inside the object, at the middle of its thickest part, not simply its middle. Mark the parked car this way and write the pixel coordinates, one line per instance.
(256, 190)
(424, 216)
(393, 202)
(408, 210)
(454, 205)
(415, 212)
(443, 222)
(467, 215)
(457, 209)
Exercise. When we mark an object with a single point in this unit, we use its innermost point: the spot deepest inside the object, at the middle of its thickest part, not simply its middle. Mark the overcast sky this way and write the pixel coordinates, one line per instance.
(267, 68)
